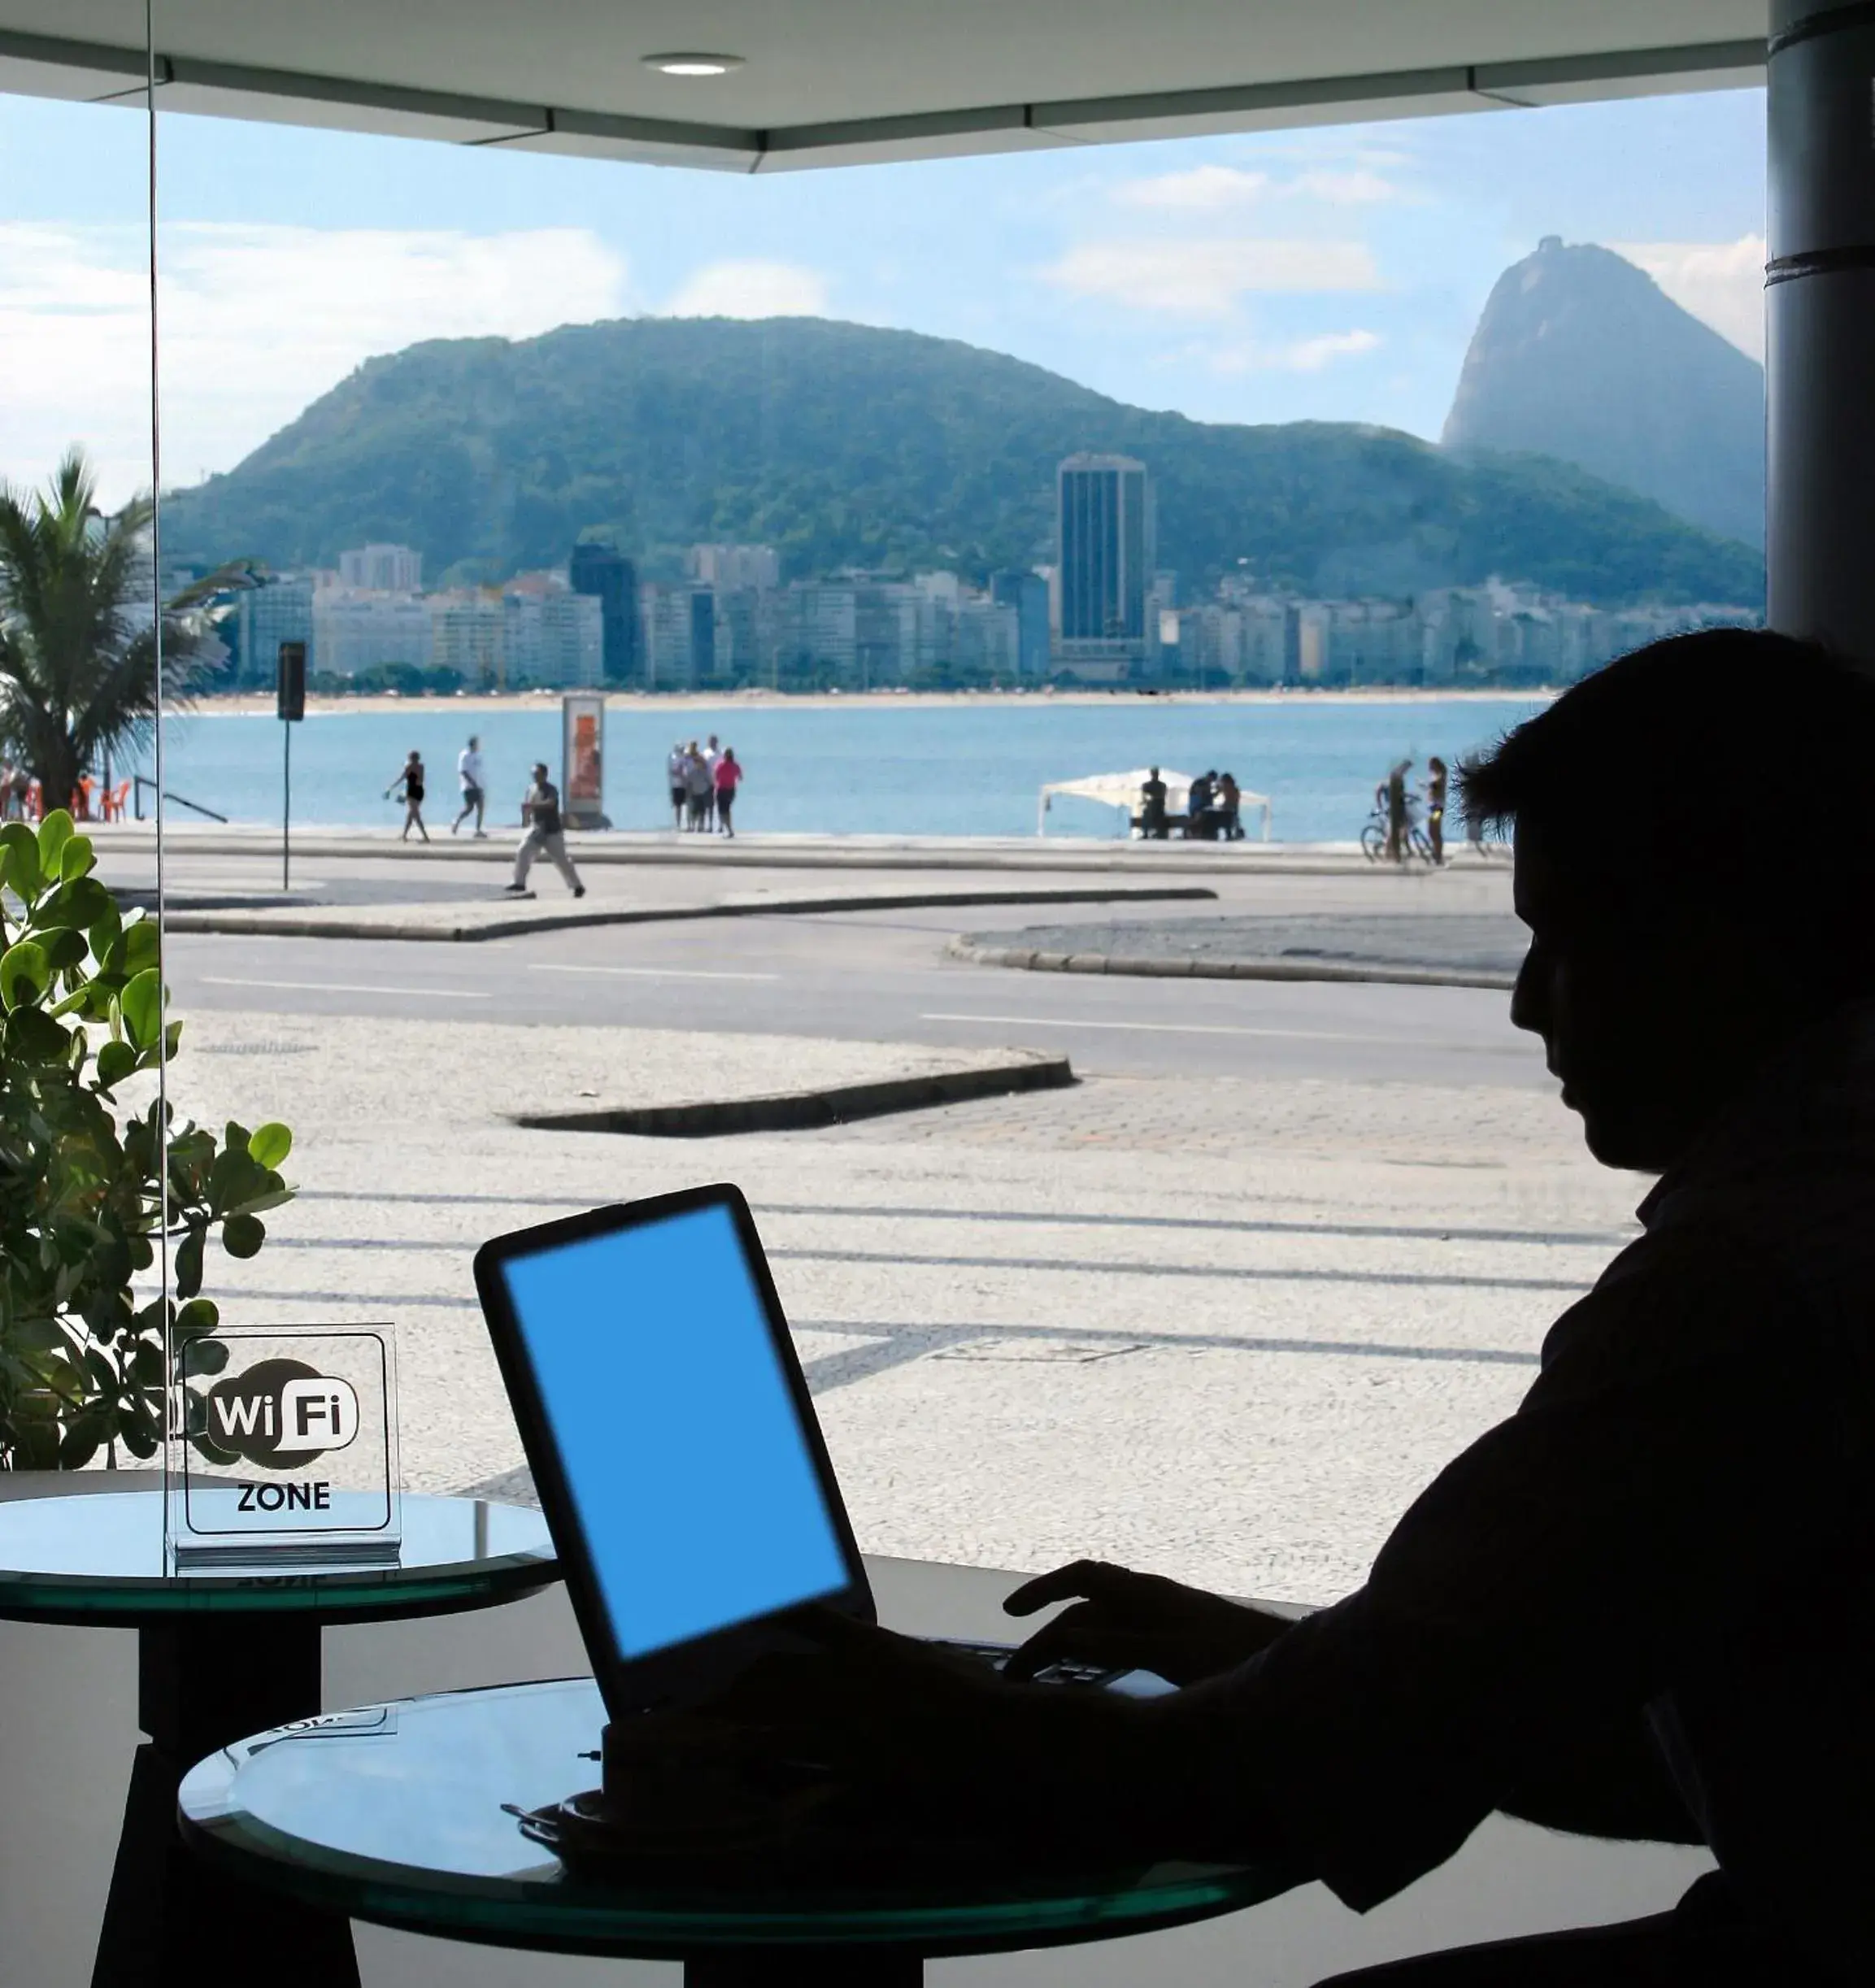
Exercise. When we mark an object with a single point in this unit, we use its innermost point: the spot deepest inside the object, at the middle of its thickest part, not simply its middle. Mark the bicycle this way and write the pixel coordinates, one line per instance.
(1417, 844)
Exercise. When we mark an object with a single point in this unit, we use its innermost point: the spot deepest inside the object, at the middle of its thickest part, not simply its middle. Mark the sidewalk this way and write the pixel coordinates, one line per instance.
(1454, 949)
(365, 885)
(848, 852)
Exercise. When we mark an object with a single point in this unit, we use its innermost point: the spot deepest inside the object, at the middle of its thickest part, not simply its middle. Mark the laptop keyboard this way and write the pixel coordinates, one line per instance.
(1067, 1671)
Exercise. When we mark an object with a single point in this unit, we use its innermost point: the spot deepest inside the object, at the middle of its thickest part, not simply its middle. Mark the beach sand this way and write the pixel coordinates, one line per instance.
(262, 705)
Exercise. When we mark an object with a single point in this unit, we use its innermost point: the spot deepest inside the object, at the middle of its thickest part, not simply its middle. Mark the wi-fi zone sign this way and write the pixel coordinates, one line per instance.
(287, 1434)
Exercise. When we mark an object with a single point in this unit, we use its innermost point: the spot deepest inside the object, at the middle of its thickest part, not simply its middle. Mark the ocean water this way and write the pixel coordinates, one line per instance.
(873, 768)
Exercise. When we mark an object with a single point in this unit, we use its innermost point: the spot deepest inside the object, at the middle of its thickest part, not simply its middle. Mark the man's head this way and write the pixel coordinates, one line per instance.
(1695, 865)
(540, 771)
(474, 743)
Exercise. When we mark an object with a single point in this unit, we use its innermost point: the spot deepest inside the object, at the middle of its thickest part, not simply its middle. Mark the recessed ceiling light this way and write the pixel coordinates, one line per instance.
(693, 65)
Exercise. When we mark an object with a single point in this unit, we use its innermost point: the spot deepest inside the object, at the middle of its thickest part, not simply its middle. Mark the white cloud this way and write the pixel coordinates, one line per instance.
(752, 289)
(1213, 189)
(1357, 186)
(256, 321)
(1721, 283)
(1205, 277)
(1310, 354)
(1204, 190)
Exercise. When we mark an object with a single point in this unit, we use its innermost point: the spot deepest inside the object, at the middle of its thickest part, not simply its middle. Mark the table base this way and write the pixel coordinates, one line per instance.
(805, 1967)
(171, 1920)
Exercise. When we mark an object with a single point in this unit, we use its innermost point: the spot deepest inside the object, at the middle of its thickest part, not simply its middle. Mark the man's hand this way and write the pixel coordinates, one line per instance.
(1138, 1621)
(906, 1727)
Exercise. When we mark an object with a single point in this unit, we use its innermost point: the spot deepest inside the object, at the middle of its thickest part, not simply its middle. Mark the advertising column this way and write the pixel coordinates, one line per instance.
(583, 760)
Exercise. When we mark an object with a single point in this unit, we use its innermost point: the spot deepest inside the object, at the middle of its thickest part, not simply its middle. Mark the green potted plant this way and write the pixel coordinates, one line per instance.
(81, 1204)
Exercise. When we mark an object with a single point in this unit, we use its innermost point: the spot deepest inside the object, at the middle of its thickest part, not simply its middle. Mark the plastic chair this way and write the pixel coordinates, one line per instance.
(81, 798)
(114, 800)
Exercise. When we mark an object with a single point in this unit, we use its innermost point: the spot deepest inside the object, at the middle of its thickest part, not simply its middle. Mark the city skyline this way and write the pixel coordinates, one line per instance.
(1100, 615)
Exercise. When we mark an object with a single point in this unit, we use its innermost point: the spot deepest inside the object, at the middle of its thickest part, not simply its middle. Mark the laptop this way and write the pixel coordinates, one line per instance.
(675, 1449)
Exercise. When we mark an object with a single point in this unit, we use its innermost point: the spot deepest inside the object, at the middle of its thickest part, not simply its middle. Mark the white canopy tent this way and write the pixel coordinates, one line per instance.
(1123, 790)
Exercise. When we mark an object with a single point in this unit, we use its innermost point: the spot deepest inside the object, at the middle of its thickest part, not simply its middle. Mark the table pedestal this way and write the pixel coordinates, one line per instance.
(805, 1967)
(171, 1920)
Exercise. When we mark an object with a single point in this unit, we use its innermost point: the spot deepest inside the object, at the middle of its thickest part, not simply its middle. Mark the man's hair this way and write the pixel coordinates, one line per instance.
(1728, 762)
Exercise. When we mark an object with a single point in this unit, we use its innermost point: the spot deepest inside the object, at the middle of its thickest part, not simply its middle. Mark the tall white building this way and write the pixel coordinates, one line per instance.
(382, 569)
(280, 610)
(725, 568)
(817, 628)
(553, 637)
(357, 630)
(468, 633)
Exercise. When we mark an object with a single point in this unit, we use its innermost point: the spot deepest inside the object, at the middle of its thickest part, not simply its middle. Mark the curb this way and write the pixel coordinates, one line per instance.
(803, 1111)
(266, 924)
(1148, 969)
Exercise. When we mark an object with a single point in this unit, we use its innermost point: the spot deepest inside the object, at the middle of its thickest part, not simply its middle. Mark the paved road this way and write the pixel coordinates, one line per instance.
(875, 977)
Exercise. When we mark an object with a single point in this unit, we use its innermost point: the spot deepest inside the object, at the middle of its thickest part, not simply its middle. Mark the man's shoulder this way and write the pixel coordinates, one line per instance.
(1716, 1284)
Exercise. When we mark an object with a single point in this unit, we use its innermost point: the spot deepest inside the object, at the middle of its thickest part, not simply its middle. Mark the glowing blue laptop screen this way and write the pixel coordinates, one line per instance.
(685, 1458)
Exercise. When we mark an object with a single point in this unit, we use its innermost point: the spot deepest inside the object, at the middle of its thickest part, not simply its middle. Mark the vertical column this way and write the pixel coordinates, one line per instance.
(1820, 310)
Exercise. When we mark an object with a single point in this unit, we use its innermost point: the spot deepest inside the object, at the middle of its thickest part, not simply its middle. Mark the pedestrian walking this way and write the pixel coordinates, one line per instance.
(408, 787)
(700, 785)
(1437, 783)
(468, 771)
(675, 769)
(728, 778)
(545, 837)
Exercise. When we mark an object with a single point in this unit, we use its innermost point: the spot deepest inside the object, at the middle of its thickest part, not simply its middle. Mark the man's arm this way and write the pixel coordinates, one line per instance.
(1608, 1780)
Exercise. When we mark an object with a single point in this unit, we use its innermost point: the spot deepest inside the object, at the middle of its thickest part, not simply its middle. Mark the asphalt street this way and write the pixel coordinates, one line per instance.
(879, 976)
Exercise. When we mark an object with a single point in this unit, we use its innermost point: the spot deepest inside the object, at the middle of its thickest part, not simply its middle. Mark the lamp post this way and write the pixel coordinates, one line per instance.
(290, 703)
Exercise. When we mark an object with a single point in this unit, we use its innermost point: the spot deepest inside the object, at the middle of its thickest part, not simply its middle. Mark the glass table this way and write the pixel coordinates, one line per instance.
(219, 1655)
(406, 1814)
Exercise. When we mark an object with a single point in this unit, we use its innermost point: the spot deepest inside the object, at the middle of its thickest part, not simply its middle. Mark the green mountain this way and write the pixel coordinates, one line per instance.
(847, 446)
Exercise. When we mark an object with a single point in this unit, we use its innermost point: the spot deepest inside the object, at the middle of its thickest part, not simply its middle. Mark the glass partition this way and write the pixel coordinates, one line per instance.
(951, 498)
(81, 1325)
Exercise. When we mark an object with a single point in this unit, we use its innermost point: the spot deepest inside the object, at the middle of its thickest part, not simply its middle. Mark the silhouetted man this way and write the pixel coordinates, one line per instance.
(1152, 806)
(1644, 1605)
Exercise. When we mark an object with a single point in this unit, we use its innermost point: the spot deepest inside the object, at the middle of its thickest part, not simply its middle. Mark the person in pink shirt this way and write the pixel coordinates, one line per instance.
(728, 776)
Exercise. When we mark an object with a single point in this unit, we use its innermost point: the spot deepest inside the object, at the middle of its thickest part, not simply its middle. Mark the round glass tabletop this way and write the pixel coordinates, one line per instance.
(404, 1814)
(99, 1559)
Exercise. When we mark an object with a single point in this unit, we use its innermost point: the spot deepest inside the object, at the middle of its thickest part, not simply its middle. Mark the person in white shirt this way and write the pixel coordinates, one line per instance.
(469, 770)
(712, 753)
(678, 768)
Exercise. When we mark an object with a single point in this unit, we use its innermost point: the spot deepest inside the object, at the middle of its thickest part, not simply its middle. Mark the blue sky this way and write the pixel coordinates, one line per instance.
(1325, 275)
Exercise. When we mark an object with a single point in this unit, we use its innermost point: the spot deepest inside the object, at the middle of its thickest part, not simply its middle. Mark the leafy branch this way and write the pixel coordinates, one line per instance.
(82, 1015)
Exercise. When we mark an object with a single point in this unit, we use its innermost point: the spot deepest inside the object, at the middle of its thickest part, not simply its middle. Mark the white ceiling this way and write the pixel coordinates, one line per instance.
(831, 82)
